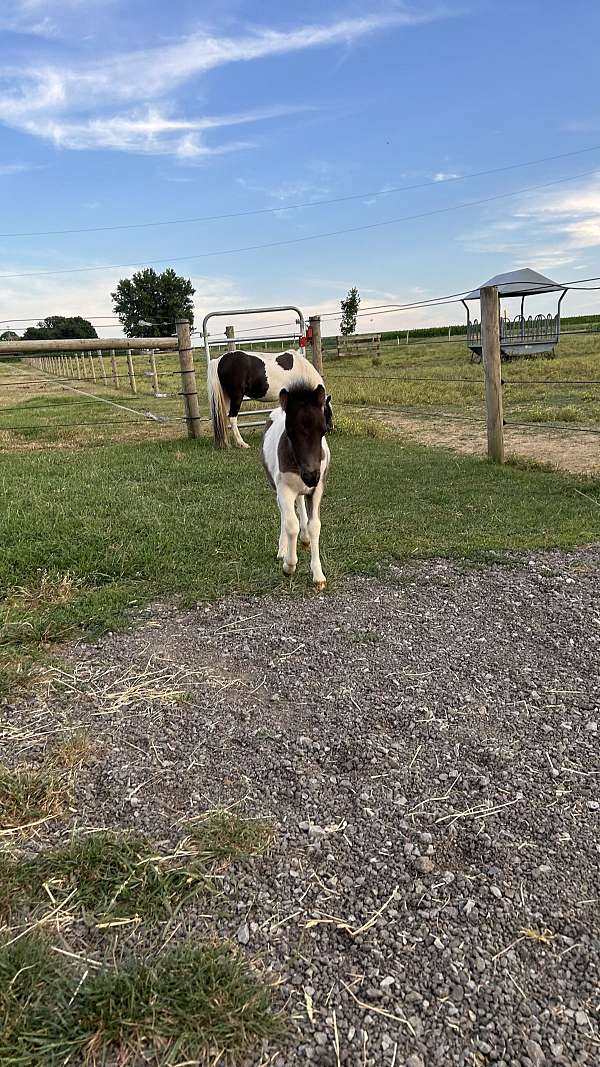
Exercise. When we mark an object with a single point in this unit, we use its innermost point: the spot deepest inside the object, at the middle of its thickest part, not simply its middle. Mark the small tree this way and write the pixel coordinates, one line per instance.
(350, 308)
(57, 327)
(154, 299)
(9, 335)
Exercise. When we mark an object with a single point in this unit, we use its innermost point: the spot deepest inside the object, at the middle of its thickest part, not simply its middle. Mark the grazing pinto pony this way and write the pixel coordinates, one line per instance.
(257, 375)
(296, 458)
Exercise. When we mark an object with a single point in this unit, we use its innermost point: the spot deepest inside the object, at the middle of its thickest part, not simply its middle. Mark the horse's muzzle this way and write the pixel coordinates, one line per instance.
(310, 478)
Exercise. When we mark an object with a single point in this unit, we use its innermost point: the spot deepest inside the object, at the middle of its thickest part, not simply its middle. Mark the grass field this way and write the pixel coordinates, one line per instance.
(358, 381)
(89, 532)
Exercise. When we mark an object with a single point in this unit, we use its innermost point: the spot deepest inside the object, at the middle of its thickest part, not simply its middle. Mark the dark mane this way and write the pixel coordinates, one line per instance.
(301, 392)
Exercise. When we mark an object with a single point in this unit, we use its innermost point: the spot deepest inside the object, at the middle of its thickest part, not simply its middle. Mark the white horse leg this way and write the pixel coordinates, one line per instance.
(301, 508)
(237, 437)
(282, 538)
(314, 533)
(286, 499)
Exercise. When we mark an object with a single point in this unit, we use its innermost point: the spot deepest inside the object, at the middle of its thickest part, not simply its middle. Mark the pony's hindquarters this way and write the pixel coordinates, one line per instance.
(218, 404)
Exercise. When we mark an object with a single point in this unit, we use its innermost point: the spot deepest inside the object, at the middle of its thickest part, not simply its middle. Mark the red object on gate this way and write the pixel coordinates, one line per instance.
(309, 333)
(302, 342)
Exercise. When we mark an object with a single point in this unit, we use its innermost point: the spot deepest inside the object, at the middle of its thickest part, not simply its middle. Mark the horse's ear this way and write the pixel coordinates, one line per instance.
(283, 398)
(320, 395)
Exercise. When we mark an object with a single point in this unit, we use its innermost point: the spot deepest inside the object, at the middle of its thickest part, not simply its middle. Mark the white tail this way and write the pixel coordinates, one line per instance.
(218, 405)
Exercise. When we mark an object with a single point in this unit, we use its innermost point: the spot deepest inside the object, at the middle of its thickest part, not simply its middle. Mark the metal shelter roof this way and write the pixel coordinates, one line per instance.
(523, 282)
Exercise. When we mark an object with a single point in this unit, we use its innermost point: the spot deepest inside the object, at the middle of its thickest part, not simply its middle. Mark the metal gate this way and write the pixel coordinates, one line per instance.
(299, 338)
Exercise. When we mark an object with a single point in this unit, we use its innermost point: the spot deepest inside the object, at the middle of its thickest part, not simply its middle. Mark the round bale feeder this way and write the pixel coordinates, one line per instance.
(521, 336)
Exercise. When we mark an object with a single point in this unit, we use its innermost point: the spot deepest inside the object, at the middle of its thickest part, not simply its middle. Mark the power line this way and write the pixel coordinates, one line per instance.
(308, 204)
(309, 237)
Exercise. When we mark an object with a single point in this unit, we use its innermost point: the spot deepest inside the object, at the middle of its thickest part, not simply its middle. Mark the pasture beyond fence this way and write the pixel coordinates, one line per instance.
(137, 382)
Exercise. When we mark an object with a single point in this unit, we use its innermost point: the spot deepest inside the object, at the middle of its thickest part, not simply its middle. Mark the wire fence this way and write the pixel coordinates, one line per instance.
(90, 395)
(102, 393)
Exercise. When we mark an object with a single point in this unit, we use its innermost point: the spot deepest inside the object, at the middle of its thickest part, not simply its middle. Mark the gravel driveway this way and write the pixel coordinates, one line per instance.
(427, 745)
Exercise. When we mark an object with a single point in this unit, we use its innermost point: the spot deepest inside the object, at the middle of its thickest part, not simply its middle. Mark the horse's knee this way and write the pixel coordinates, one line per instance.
(292, 526)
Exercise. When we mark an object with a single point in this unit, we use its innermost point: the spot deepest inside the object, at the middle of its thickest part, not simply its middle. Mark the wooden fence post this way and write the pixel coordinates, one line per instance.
(102, 367)
(492, 367)
(92, 367)
(131, 371)
(230, 335)
(317, 346)
(77, 366)
(189, 386)
(153, 370)
(113, 365)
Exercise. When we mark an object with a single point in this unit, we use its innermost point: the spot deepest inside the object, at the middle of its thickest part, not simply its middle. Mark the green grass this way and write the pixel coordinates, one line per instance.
(193, 1004)
(29, 796)
(106, 876)
(129, 521)
(526, 398)
(224, 835)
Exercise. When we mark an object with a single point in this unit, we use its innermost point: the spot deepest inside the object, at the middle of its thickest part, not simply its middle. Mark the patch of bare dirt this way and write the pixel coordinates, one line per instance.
(571, 450)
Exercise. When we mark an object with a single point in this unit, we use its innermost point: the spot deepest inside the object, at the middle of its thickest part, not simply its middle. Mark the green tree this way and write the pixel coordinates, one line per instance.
(57, 327)
(154, 299)
(350, 308)
(9, 335)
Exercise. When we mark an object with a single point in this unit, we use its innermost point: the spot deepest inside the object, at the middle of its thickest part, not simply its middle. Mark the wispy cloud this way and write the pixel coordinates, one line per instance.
(41, 18)
(573, 214)
(150, 131)
(444, 176)
(314, 182)
(28, 17)
(128, 101)
(545, 230)
(7, 169)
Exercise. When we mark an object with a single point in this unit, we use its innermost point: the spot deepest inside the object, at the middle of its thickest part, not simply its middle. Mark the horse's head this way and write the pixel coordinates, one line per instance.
(306, 425)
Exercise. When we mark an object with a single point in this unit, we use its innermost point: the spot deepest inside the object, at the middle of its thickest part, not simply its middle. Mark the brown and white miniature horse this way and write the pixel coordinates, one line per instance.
(296, 457)
(257, 375)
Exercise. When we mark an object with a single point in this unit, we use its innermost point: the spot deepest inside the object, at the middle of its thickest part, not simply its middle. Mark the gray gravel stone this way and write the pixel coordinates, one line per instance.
(408, 776)
(535, 1053)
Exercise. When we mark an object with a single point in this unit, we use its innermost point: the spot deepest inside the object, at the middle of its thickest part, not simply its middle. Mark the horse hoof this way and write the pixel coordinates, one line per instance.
(319, 586)
(243, 445)
(288, 571)
(305, 544)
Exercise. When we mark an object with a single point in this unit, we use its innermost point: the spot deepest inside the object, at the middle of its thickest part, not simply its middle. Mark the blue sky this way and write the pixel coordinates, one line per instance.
(124, 111)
